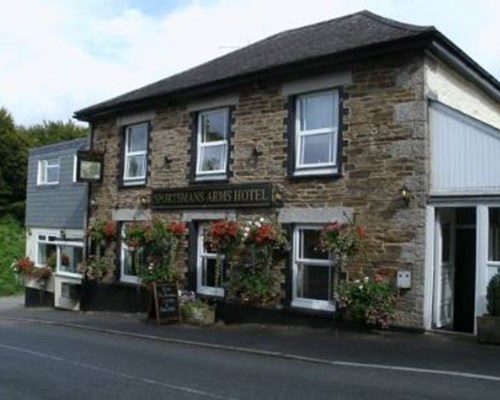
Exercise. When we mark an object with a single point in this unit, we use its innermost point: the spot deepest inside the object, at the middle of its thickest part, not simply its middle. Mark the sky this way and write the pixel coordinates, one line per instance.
(58, 56)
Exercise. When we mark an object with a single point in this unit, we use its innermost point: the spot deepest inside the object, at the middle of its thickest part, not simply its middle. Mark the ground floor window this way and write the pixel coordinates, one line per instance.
(493, 241)
(312, 270)
(130, 261)
(60, 254)
(71, 257)
(208, 279)
(494, 235)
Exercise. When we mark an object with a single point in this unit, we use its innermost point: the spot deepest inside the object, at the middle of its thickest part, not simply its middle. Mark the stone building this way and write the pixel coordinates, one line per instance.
(359, 117)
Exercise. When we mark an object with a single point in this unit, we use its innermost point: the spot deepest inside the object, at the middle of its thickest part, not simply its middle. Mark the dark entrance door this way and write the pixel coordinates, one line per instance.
(465, 271)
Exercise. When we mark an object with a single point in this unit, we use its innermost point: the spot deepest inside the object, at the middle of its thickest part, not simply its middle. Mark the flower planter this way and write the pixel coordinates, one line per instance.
(98, 296)
(488, 329)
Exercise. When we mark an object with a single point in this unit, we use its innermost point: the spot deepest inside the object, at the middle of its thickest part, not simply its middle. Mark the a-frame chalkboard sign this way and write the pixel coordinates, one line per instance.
(165, 303)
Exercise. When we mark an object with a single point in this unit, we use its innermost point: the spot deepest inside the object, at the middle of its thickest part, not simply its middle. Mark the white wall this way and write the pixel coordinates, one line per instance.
(448, 87)
(465, 154)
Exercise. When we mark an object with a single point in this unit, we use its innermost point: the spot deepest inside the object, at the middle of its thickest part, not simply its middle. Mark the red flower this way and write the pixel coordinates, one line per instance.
(264, 233)
(25, 266)
(64, 260)
(177, 228)
(109, 229)
(378, 278)
(361, 231)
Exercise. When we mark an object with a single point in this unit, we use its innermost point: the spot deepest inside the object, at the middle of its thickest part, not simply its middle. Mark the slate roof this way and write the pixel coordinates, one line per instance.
(337, 36)
(79, 143)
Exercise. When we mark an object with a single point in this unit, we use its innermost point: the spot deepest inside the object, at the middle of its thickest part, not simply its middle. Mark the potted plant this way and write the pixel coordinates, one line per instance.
(195, 311)
(488, 326)
(370, 301)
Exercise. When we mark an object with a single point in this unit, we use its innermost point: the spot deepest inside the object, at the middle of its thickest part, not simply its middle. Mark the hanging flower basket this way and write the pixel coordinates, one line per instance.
(102, 231)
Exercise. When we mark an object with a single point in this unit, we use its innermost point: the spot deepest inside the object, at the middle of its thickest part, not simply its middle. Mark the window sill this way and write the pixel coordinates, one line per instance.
(313, 305)
(210, 179)
(132, 185)
(315, 175)
(70, 275)
(129, 282)
(47, 185)
(210, 293)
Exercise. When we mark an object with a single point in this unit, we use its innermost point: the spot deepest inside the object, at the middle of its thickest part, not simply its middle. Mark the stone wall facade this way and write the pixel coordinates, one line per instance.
(385, 147)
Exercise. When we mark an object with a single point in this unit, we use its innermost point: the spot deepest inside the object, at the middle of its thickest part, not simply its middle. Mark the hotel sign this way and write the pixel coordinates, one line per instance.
(213, 196)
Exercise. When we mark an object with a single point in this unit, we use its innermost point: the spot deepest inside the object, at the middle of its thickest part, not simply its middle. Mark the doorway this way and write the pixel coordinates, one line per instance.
(455, 269)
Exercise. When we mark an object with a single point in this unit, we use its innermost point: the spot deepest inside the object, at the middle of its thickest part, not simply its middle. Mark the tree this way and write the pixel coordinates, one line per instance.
(15, 143)
(13, 166)
(49, 132)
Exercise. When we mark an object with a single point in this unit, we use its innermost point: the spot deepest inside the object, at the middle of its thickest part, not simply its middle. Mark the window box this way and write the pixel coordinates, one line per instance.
(97, 296)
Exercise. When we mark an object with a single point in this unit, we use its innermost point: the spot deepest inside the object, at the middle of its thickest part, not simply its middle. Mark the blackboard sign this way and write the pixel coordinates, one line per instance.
(165, 303)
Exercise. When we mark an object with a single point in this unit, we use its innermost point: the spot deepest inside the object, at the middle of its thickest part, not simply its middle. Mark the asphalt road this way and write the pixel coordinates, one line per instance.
(50, 362)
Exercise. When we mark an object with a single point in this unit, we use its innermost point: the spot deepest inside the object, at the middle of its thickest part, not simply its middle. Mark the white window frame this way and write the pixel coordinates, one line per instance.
(316, 168)
(492, 264)
(200, 145)
(136, 180)
(75, 163)
(51, 238)
(202, 254)
(124, 248)
(43, 166)
(302, 302)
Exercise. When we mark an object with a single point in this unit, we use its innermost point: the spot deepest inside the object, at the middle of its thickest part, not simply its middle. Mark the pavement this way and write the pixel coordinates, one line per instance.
(431, 353)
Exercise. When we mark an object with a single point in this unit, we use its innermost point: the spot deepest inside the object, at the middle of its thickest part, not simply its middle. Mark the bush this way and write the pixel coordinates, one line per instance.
(196, 311)
(371, 301)
(12, 247)
(493, 296)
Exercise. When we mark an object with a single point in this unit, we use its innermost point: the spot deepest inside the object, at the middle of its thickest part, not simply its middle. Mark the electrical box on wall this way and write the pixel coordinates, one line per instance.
(403, 280)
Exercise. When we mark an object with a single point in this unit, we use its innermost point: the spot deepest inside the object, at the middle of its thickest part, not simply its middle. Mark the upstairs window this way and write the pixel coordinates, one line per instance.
(135, 154)
(212, 152)
(48, 172)
(316, 133)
